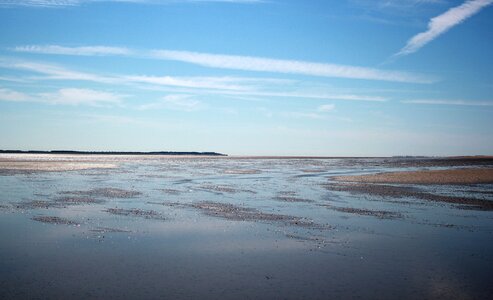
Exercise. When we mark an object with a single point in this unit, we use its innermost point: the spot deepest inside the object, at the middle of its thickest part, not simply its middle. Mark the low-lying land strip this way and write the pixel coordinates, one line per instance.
(453, 176)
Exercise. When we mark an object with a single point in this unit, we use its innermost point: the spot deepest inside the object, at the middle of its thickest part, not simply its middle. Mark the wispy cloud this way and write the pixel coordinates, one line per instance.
(400, 8)
(112, 119)
(303, 95)
(12, 79)
(57, 72)
(68, 3)
(225, 85)
(260, 64)
(442, 23)
(302, 115)
(11, 95)
(320, 113)
(53, 71)
(222, 83)
(326, 107)
(76, 96)
(39, 3)
(66, 96)
(243, 63)
(84, 51)
(178, 102)
(449, 102)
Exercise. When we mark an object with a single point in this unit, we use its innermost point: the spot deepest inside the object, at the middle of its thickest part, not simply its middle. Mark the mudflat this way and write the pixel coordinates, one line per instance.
(451, 176)
(182, 227)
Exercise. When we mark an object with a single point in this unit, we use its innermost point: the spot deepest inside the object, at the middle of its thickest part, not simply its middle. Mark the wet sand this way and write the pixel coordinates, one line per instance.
(398, 192)
(452, 176)
(50, 166)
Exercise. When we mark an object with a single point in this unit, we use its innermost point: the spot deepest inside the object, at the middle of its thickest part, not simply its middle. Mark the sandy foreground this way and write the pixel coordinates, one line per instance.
(453, 176)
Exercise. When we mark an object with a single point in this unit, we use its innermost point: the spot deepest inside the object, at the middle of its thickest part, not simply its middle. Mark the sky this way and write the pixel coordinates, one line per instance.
(248, 77)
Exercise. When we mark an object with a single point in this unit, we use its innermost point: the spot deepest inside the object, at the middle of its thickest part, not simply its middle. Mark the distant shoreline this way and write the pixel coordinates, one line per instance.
(194, 153)
(217, 154)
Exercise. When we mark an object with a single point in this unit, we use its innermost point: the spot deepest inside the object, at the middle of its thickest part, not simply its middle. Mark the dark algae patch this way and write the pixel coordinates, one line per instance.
(381, 214)
(77, 200)
(291, 199)
(135, 212)
(171, 191)
(240, 213)
(54, 220)
(105, 192)
(109, 230)
(60, 202)
(36, 204)
(224, 189)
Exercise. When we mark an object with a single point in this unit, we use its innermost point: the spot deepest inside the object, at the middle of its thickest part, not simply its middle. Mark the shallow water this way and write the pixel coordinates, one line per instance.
(181, 227)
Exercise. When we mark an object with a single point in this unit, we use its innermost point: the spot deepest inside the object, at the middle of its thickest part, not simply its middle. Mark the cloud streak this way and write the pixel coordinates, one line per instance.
(442, 23)
(221, 83)
(326, 107)
(68, 3)
(177, 102)
(236, 62)
(225, 86)
(13, 96)
(53, 72)
(57, 72)
(83, 51)
(260, 64)
(449, 102)
(65, 96)
(76, 96)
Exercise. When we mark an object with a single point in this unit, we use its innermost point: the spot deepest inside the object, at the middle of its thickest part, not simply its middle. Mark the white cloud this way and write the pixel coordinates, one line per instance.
(326, 107)
(12, 79)
(302, 115)
(67, 96)
(84, 51)
(442, 23)
(53, 71)
(259, 95)
(244, 63)
(113, 119)
(68, 3)
(39, 3)
(449, 102)
(178, 102)
(10, 95)
(228, 86)
(75, 96)
(222, 83)
(260, 64)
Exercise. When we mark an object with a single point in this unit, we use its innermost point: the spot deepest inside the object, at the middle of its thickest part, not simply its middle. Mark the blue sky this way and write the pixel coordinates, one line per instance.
(248, 77)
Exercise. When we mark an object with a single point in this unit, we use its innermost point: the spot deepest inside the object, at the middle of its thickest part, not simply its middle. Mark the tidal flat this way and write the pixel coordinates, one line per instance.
(183, 227)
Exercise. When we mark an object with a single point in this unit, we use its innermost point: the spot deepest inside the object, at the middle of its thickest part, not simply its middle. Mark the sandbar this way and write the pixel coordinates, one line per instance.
(451, 176)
